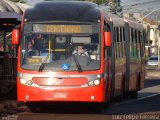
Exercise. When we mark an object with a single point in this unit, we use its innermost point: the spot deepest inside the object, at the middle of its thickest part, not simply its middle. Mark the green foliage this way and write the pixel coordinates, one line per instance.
(21, 1)
(95, 1)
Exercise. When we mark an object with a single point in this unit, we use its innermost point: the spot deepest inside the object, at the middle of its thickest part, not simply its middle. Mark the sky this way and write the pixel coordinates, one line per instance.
(123, 2)
(139, 6)
(33, 2)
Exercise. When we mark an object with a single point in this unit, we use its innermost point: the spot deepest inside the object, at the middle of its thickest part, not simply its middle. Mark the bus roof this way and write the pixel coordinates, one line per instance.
(135, 25)
(120, 22)
(63, 11)
(117, 21)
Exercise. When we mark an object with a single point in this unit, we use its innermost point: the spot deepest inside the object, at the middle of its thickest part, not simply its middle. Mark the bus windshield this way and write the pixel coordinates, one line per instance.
(70, 49)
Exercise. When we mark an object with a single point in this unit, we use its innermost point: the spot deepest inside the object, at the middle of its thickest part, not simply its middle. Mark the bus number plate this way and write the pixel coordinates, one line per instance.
(60, 95)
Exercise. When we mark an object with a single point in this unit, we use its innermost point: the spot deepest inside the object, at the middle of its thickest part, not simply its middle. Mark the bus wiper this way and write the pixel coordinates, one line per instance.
(45, 60)
(43, 64)
(77, 64)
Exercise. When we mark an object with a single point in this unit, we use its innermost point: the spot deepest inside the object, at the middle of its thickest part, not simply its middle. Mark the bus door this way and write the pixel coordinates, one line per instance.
(127, 49)
(108, 63)
(112, 61)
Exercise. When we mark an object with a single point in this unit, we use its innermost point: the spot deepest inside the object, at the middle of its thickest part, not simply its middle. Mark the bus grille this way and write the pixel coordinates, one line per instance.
(59, 82)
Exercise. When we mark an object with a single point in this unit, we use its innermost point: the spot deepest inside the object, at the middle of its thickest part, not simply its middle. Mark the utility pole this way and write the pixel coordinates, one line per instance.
(148, 14)
(114, 5)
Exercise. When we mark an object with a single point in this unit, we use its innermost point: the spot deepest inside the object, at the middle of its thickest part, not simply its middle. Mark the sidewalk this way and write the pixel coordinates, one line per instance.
(12, 107)
(152, 74)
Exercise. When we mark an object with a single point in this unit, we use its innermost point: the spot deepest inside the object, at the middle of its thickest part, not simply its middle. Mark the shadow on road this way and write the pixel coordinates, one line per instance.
(140, 106)
(65, 108)
(151, 83)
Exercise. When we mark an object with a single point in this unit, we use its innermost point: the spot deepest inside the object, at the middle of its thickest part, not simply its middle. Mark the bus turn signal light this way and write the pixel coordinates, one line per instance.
(107, 39)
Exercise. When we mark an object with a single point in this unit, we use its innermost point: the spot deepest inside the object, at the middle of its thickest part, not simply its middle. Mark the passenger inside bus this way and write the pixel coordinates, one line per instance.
(31, 51)
(30, 46)
(79, 50)
(38, 43)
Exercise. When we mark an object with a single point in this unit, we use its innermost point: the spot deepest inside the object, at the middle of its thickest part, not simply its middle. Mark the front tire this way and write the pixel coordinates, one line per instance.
(33, 107)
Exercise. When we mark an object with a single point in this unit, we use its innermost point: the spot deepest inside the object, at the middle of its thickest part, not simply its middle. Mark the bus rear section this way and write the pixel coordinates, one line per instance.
(126, 55)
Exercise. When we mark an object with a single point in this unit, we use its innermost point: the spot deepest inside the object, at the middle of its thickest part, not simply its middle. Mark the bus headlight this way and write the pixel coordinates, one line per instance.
(90, 83)
(96, 82)
(29, 82)
(26, 82)
(93, 82)
(23, 81)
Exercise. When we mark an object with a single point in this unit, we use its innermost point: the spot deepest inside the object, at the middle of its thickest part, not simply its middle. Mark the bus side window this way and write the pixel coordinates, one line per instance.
(131, 43)
(122, 41)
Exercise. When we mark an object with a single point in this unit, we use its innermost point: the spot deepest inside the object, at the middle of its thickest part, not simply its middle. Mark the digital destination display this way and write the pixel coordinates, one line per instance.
(62, 28)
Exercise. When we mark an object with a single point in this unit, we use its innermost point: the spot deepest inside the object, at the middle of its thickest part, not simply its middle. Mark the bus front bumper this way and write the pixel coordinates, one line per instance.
(78, 94)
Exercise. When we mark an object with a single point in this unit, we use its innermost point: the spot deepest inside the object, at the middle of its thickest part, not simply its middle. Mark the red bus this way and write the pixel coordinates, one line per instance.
(111, 62)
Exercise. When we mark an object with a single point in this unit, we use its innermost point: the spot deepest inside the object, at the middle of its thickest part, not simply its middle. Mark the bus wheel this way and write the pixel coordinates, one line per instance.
(118, 98)
(33, 107)
(107, 104)
(99, 107)
(134, 94)
(96, 107)
(131, 95)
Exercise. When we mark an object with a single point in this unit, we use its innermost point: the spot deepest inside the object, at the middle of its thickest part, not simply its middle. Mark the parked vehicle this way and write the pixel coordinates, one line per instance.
(152, 62)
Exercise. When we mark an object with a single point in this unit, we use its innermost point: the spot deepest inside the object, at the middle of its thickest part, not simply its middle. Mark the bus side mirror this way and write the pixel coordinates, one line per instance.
(107, 39)
(15, 36)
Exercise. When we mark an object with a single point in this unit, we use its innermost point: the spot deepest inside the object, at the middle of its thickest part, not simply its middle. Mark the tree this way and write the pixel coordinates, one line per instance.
(21, 1)
(95, 1)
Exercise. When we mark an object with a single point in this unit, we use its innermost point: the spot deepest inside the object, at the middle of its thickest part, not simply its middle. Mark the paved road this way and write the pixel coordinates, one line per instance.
(142, 109)
(147, 103)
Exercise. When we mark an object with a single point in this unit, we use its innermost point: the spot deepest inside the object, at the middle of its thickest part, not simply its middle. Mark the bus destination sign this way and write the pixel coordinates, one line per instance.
(62, 28)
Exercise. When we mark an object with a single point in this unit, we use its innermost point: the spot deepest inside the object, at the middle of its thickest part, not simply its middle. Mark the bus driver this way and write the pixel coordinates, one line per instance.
(80, 51)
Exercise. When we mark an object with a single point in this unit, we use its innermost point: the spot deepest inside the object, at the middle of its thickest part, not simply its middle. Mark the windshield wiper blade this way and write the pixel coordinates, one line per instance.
(77, 64)
(43, 64)
(45, 60)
